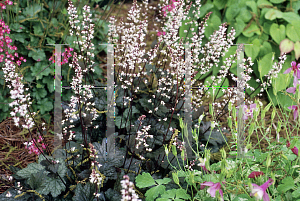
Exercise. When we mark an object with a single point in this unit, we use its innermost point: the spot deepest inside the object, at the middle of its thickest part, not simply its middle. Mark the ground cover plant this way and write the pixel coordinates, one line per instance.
(151, 163)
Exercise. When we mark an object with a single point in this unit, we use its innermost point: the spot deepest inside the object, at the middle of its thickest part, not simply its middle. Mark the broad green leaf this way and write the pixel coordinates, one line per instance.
(52, 185)
(45, 105)
(297, 49)
(84, 193)
(40, 70)
(296, 6)
(272, 14)
(285, 101)
(205, 8)
(144, 180)
(232, 12)
(252, 5)
(32, 10)
(37, 54)
(17, 27)
(50, 40)
(287, 184)
(238, 26)
(244, 15)
(281, 82)
(277, 1)
(39, 85)
(213, 24)
(181, 193)
(265, 48)
(169, 194)
(293, 32)
(262, 3)
(253, 50)
(50, 84)
(163, 181)
(253, 28)
(32, 168)
(286, 46)
(19, 37)
(291, 18)
(38, 29)
(154, 192)
(265, 64)
(277, 32)
(267, 26)
(220, 4)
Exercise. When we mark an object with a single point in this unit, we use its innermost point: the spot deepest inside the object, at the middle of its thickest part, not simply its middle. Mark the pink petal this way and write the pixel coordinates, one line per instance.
(287, 71)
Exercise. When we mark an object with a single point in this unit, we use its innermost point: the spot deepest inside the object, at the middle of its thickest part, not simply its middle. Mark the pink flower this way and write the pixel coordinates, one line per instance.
(248, 112)
(295, 108)
(255, 174)
(160, 33)
(213, 188)
(295, 69)
(260, 191)
(295, 150)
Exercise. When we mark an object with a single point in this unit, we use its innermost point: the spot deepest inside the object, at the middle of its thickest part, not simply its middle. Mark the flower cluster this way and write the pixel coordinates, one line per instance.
(32, 148)
(3, 5)
(15, 79)
(95, 177)
(169, 7)
(142, 136)
(296, 73)
(127, 191)
(65, 54)
(247, 112)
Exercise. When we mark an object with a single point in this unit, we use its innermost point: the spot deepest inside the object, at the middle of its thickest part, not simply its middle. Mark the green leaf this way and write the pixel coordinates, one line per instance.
(45, 105)
(286, 46)
(19, 37)
(50, 84)
(32, 10)
(205, 8)
(84, 193)
(213, 24)
(52, 185)
(285, 101)
(277, 1)
(38, 29)
(163, 181)
(277, 32)
(232, 12)
(288, 183)
(17, 27)
(50, 40)
(40, 70)
(239, 26)
(38, 55)
(36, 180)
(169, 194)
(253, 28)
(272, 14)
(181, 193)
(244, 15)
(291, 18)
(32, 168)
(220, 4)
(265, 48)
(265, 64)
(154, 192)
(144, 180)
(253, 50)
(252, 5)
(297, 49)
(293, 32)
(262, 3)
(281, 82)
